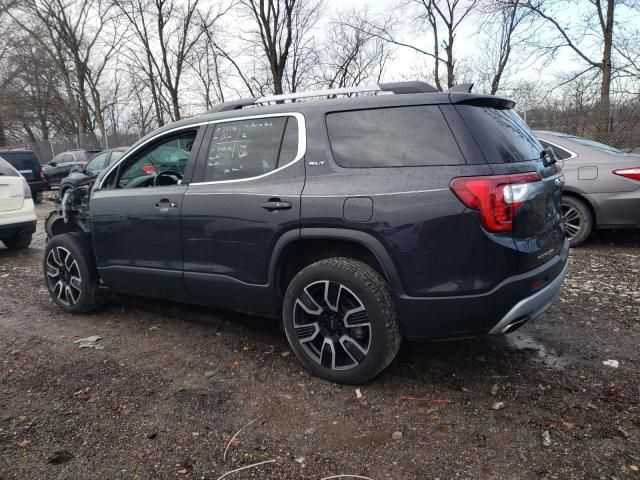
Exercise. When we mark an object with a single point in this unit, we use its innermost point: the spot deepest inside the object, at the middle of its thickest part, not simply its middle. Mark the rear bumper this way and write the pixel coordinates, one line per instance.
(491, 312)
(531, 307)
(22, 228)
(37, 187)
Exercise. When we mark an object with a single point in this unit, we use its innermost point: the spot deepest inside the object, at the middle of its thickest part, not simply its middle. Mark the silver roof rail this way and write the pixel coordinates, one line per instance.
(398, 88)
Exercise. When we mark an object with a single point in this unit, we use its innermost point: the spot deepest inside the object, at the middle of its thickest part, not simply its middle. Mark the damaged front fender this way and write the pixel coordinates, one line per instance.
(71, 213)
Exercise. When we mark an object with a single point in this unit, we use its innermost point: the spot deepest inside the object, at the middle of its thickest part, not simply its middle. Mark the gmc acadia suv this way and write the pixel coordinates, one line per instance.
(395, 212)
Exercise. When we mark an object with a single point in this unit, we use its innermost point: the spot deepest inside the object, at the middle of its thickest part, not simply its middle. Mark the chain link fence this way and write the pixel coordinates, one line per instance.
(623, 123)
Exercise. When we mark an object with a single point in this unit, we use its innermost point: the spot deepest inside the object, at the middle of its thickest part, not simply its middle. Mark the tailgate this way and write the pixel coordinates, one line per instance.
(538, 229)
(11, 193)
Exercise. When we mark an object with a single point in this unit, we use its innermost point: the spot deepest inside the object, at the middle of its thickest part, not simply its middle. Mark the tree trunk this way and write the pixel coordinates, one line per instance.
(604, 121)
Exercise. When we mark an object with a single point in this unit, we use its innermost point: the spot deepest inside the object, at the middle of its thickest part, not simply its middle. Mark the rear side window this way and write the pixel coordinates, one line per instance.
(392, 137)
(501, 134)
(561, 153)
(6, 169)
(250, 148)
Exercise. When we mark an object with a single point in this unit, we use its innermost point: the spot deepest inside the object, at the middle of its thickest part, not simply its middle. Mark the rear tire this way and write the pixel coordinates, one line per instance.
(70, 273)
(19, 241)
(578, 220)
(341, 321)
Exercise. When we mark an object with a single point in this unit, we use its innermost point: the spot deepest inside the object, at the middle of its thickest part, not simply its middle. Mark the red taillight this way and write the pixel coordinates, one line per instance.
(632, 173)
(26, 190)
(149, 169)
(496, 197)
(41, 173)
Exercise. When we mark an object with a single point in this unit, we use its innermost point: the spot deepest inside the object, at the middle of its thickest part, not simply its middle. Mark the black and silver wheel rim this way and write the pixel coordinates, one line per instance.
(63, 276)
(572, 221)
(332, 325)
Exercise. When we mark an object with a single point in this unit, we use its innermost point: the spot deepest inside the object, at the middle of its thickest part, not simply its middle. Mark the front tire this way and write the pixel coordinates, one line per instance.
(578, 220)
(341, 321)
(70, 273)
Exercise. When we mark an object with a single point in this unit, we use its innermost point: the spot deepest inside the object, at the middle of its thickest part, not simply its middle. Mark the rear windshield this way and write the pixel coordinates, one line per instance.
(501, 134)
(6, 169)
(21, 160)
(392, 137)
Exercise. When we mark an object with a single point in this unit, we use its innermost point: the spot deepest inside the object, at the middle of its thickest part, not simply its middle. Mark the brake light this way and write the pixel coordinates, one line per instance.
(496, 197)
(149, 169)
(26, 191)
(632, 173)
(41, 173)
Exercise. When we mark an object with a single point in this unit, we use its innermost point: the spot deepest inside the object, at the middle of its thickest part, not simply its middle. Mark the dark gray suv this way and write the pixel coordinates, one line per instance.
(396, 212)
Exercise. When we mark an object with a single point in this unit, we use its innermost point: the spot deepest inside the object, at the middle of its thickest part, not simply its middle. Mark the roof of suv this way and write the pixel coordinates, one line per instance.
(381, 95)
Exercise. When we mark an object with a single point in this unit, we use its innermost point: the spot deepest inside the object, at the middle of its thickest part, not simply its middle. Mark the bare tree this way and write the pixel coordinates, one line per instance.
(507, 28)
(599, 23)
(280, 30)
(164, 34)
(352, 52)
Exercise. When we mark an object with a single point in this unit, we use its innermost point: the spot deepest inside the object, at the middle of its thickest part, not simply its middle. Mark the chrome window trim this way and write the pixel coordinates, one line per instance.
(571, 153)
(302, 144)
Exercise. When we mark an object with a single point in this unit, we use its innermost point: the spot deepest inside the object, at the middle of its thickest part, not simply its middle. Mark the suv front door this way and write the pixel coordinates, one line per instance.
(245, 196)
(135, 217)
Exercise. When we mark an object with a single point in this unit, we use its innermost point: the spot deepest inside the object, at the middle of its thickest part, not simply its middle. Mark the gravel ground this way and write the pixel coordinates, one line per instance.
(173, 383)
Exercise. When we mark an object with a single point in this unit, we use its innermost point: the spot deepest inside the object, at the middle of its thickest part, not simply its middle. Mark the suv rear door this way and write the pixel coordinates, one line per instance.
(246, 196)
(135, 217)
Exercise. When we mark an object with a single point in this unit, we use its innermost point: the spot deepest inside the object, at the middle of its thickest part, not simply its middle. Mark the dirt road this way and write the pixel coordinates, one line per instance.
(173, 383)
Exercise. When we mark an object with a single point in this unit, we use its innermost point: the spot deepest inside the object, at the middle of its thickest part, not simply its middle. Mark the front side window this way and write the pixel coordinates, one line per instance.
(160, 165)
(392, 137)
(250, 148)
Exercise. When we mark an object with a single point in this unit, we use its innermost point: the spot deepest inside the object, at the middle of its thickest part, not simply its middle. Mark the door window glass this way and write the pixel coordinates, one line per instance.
(162, 164)
(246, 148)
(392, 137)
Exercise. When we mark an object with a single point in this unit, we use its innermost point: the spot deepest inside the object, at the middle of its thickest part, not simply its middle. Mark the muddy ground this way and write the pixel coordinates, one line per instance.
(174, 383)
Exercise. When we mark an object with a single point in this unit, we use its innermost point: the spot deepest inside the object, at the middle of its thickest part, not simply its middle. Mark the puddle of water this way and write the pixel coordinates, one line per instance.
(521, 341)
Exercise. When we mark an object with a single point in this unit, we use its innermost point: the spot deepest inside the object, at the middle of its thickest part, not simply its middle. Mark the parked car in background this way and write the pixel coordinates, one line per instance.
(60, 166)
(602, 187)
(86, 174)
(358, 221)
(17, 214)
(27, 164)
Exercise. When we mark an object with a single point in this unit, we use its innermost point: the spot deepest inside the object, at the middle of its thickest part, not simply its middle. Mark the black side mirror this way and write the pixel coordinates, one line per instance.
(53, 164)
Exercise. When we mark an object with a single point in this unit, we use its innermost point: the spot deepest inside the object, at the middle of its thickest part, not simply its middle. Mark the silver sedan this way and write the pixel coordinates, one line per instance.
(602, 187)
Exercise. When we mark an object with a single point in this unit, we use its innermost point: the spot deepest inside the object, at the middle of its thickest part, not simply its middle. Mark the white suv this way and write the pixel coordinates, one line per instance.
(17, 214)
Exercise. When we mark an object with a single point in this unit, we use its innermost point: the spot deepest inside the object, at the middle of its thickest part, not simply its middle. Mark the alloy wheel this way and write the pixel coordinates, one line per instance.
(63, 276)
(332, 325)
(572, 221)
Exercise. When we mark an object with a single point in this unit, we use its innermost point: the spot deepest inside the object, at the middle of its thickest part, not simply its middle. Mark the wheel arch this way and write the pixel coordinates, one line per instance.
(582, 198)
(295, 251)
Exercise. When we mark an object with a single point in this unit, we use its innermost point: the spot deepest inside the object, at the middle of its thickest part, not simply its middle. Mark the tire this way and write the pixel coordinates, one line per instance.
(18, 242)
(70, 273)
(341, 321)
(578, 220)
(37, 198)
(61, 192)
